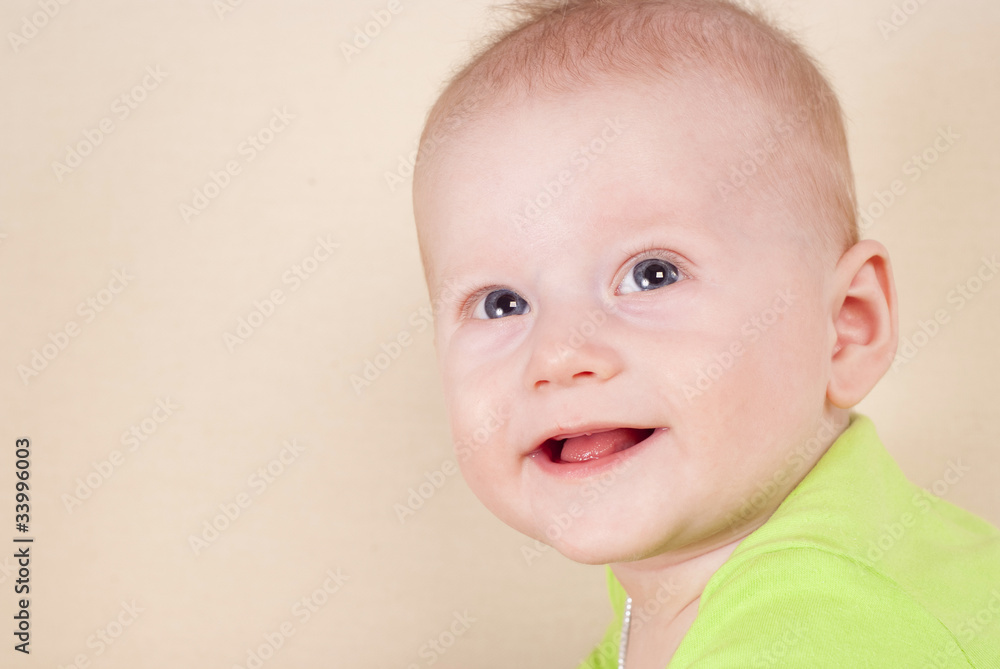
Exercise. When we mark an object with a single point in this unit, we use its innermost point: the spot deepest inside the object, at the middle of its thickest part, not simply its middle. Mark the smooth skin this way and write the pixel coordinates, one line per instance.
(813, 332)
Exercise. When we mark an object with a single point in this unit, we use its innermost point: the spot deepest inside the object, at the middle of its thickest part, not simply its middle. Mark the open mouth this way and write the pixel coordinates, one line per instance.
(595, 445)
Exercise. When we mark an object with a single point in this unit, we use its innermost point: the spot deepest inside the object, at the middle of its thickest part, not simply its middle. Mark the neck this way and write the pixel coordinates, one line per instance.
(666, 587)
(665, 592)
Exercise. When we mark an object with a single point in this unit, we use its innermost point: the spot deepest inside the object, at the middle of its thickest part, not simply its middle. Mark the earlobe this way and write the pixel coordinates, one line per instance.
(865, 323)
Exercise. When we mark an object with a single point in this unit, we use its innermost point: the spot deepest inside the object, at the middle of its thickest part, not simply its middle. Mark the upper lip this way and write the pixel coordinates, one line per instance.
(560, 437)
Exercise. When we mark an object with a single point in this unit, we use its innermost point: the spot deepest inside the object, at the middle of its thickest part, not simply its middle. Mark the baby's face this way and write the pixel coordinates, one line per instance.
(589, 278)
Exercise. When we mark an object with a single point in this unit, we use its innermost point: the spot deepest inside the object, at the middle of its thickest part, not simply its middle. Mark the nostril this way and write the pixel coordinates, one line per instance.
(586, 365)
(579, 376)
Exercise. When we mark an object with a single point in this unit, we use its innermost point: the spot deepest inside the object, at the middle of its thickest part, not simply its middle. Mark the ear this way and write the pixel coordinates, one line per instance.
(865, 322)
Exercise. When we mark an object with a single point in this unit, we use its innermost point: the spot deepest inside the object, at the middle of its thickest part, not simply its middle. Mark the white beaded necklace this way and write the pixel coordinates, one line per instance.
(626, 623)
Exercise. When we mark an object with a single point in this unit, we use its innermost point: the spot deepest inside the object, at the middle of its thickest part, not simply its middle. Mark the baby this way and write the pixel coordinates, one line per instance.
(653, 316)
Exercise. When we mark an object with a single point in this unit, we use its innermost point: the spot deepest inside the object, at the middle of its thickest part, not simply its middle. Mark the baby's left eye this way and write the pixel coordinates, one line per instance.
(649, 274)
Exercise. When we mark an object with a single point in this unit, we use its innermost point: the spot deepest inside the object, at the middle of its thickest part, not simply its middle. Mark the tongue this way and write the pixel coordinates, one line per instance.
(593, 446)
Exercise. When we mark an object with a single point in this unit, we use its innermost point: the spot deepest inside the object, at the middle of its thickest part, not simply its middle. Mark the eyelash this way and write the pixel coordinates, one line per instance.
(633, 258)
(469, 304)
(645, 252)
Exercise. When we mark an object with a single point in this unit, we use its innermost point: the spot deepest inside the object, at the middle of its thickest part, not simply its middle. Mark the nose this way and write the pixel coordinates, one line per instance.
(570, 347)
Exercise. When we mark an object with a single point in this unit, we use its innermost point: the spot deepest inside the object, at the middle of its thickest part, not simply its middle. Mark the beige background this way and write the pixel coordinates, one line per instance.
(332, 506)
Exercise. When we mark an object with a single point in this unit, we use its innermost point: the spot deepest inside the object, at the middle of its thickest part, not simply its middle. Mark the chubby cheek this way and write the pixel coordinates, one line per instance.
(480, 412)
(488, 472)
(754, 409)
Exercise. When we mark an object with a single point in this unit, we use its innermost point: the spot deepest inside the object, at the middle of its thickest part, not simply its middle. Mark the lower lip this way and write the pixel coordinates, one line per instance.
(591, 468)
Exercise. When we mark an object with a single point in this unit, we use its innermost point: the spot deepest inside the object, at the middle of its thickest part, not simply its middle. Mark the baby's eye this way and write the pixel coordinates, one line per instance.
(648, 275)
(500, 303)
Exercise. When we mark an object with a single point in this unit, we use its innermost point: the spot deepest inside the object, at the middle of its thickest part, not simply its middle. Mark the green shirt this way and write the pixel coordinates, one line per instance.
(858, 567)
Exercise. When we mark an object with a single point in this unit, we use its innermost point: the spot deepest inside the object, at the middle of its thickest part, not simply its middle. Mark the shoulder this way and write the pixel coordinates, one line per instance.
(809, 607)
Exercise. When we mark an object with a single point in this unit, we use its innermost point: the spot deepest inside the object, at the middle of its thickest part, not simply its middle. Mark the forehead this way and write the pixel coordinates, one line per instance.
(561, 170)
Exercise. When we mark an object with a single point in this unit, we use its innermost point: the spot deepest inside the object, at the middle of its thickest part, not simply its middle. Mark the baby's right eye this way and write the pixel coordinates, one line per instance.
(500, 303)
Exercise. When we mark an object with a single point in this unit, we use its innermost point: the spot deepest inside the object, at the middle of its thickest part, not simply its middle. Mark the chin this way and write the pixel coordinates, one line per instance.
(596, 550)
(586, 555)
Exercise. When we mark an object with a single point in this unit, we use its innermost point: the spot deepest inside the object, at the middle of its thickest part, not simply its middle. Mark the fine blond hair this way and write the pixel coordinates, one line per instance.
(554, 46)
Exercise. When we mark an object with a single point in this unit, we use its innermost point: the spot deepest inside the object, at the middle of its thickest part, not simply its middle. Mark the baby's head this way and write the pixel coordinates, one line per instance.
(637, 220)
